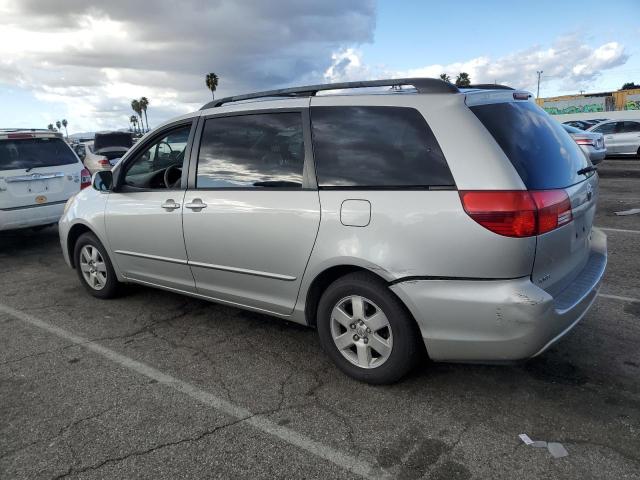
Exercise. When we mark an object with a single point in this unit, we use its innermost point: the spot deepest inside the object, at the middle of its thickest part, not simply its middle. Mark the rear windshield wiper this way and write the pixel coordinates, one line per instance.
(585, 170)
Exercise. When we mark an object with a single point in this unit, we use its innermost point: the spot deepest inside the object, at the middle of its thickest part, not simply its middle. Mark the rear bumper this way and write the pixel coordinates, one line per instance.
(31, 216)
(500, 320)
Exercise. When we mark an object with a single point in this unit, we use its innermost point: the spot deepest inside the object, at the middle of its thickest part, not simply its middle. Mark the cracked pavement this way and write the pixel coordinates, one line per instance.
(66, 412)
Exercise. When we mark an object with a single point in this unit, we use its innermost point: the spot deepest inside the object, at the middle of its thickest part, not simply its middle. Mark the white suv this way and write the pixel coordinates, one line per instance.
(39, 172)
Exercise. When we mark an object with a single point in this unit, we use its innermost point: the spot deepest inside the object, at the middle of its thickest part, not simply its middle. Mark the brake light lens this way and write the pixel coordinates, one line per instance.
(585, 141)
(20, 135)
(518, 213)
(104, 161)
(554, 209)
(85, 179)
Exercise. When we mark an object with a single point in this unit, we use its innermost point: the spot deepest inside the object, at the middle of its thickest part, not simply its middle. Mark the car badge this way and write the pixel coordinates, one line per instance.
(41, 199)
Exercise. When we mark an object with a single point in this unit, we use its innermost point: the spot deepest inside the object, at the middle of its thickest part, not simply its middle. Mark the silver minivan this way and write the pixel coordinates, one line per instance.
(411, 216)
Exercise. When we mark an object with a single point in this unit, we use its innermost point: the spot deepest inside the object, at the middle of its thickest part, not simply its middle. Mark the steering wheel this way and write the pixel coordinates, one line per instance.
(167, 173)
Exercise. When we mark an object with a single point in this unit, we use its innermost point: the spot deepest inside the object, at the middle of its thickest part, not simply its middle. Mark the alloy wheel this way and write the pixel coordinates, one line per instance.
(93, 268)
(361, 331)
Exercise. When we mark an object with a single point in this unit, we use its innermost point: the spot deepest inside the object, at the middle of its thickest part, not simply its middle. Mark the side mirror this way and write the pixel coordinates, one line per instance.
(103, 180)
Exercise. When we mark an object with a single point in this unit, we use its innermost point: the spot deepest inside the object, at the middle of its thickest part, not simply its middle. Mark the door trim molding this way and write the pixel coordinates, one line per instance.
(256, 273)
(224, 268)
(152, 257)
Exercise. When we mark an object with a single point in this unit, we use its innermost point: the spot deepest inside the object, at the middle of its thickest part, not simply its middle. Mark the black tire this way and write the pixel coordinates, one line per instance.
(112, 286)
(406, 340)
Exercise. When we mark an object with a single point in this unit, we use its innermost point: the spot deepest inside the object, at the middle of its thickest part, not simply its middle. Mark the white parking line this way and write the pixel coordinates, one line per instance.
(618, 297)
(259, 422)
(621, 230)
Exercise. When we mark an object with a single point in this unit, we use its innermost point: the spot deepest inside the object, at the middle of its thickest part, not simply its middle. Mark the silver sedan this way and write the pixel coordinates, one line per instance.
(622, 136)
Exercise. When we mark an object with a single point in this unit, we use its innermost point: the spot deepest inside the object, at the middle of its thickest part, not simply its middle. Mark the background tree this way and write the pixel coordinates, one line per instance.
(445, 77)
(50, 127)
(629, 86)
(212, 83)
(135, 106)
(58, 124)
(463, 80)
(144, 103)
(64, 124)
(134, 121)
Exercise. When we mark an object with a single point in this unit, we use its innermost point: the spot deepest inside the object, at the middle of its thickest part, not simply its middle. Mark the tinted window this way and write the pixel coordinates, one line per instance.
(376, 147)
(261, 150)
(606, 128)
(34, 153)
(630, 127)
(541, 151)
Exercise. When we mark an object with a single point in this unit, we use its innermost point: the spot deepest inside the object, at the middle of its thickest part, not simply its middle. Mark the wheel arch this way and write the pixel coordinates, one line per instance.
(72, 237)
(325, 278)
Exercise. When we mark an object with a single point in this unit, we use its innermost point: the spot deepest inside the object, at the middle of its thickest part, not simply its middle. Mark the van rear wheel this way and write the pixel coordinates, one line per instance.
(366, 330)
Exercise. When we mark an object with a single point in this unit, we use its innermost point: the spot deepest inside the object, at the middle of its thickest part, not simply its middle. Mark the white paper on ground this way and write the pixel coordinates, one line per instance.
(633, 211)
(525, 438)
(557, 450)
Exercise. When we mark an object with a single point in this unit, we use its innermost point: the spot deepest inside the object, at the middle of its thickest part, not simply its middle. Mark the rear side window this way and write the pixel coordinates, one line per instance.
(252, 151)
(34, 153)
(376, 147)
(541, 151)
(630, 127)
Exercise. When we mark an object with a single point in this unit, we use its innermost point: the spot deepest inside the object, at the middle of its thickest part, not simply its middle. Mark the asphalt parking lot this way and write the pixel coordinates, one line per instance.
(156, 385)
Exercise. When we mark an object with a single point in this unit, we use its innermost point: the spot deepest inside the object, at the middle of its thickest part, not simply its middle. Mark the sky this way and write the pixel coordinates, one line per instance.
(85, 60)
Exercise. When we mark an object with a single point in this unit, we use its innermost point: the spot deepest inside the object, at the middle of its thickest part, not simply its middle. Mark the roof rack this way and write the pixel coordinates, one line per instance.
(489, 86)
(422, 85)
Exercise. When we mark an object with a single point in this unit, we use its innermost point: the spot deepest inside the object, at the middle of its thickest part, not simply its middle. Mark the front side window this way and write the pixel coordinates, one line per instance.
(264, 150)
(376, 147)
(148, 169)
(606, 129)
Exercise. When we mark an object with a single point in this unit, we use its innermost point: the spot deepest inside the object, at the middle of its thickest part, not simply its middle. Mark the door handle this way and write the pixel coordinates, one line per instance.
(170, 205)
(196, 205)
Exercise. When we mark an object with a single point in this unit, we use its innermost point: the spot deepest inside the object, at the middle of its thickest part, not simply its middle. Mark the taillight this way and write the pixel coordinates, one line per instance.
(85, 178)
(104, 161)
(554, 209)
(518, 213)
(585, 141)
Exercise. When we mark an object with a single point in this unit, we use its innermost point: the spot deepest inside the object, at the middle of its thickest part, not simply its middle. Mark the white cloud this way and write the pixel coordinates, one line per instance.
(569, 63)
(93, 57)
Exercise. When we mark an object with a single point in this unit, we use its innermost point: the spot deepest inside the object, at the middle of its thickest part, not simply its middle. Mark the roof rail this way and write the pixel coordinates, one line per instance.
(489, 86)
(422, 85)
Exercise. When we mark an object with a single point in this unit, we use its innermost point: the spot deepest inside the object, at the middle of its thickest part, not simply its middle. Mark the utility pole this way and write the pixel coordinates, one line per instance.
(581, 92)
(539, 72)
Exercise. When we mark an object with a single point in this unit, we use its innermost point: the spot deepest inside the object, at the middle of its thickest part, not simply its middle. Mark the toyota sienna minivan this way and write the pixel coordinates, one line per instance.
(393, 216)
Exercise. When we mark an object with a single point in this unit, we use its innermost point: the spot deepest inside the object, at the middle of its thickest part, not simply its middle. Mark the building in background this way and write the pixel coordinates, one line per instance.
(592, 102)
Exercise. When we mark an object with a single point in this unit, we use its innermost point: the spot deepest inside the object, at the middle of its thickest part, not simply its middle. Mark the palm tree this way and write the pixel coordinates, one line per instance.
(58, 124)
(135, 106)
(50, 127)
(445, 77)
(212, 83)
(134, 121)
(463, 80)
(144, 103)
(64, 124)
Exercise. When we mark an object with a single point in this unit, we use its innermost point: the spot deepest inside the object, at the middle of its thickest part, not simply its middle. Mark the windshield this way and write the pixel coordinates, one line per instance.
(541, 151)
(34, 153)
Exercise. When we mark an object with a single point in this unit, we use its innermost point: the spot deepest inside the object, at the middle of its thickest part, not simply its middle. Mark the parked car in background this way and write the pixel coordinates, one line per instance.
(106, 149)
(38, 174)
(367, 217)
(621, 136)
(591, 143)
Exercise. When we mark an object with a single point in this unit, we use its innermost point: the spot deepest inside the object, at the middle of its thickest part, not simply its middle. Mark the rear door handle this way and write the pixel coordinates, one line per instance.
(170, 205)
(196, 205)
